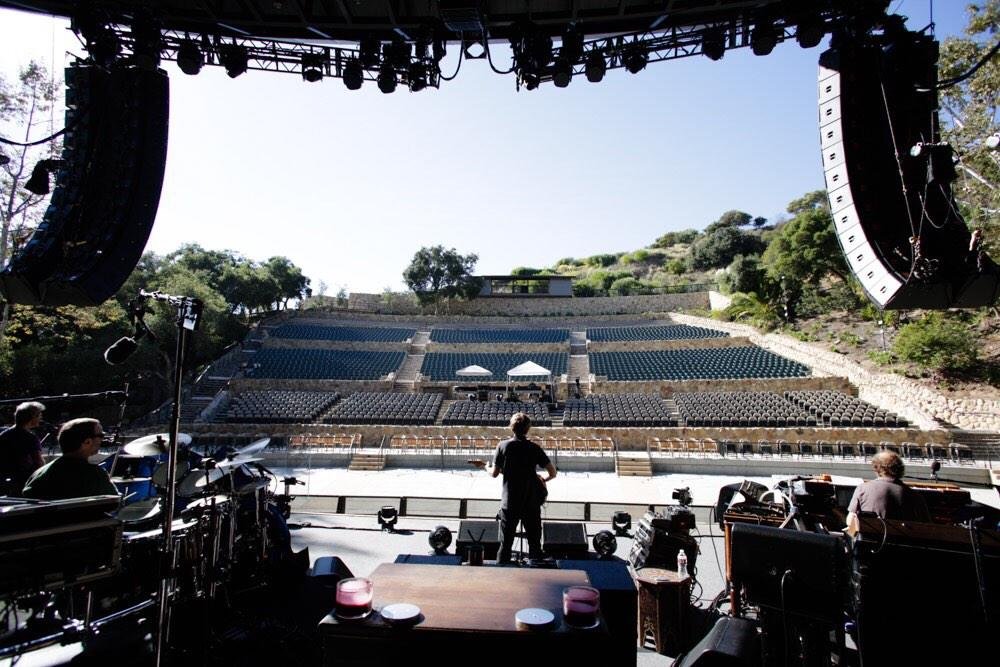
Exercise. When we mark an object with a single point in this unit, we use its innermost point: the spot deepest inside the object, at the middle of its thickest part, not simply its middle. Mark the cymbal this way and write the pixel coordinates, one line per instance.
(129, 480)
(253, 485)
(236, 462)
(207, 502)
(253, 447)
(198, 481)
(154, 444)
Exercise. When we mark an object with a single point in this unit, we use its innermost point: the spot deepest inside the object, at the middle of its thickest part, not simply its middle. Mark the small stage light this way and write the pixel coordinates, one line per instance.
(39, 182)
(635, 60)
(621, 522)
(369, 50)
(562, 73)
(763, 39)
(417, 76)
(530, 80)
(399, 52)
(189, 57)
(387, 79)
(312, 67)
(572, 45)
(440, 540)
(387, 517)
(354, 76)
(234, 58)
(605, 544)
(809, 32)
(713, 44)
(596, 67)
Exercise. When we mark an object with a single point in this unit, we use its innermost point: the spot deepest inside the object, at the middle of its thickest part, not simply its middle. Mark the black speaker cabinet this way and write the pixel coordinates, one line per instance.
(486, 533)
(732, 642)
(564, 540)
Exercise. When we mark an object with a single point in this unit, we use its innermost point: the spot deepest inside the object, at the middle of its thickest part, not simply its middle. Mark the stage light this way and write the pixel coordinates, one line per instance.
(530, 80)
(562, 73)
(387, 517)
(635, 60)
(234, 58)
(713, 44)
(417, 75)
(605, 544)
(440, 540)
(809, 32)
(312, 67)
(440, 49)
(572, 45)
(596, 67)
(353, 75)
(621, 522)
(399, 52)
(540, 47)
(369, 48)
(39, 182)
(189, 57)
(763, 39)
(387, 79)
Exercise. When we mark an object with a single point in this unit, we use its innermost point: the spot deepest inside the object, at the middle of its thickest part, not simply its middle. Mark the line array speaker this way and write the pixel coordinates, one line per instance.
(107, 191)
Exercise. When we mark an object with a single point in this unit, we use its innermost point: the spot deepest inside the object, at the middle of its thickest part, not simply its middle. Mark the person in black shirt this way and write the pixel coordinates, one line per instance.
(524, 490)
(72, 475)
(20, 451)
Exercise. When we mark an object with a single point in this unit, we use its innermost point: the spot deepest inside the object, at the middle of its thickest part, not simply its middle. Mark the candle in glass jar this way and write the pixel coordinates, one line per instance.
(581, 605)
(354, 597)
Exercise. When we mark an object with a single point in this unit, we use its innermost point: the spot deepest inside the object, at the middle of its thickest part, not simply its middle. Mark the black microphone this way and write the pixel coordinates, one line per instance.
(120, 350)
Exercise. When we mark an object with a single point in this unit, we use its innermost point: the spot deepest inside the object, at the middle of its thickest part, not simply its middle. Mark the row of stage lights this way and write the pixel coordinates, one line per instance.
(416, 64)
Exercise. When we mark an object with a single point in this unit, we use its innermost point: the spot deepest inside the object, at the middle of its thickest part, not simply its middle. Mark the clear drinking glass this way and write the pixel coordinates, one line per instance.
(354, 597)
(581, 605)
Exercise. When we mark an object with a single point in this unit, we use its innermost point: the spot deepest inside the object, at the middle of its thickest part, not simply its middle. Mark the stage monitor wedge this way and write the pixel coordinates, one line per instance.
(106, 193)
(888, 176)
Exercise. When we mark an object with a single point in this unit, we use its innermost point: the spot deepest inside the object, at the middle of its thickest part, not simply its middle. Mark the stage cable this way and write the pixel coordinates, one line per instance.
(461, 56)
(977, 559)
(489, 57)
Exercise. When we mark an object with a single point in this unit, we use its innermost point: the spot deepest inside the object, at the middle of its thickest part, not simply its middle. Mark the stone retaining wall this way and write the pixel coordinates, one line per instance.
(609, 305)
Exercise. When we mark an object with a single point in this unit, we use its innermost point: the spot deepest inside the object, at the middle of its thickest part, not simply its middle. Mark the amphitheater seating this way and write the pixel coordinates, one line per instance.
(329, 440)
(499, 335)
(386, 408)
(690, 364)
(834, 408)
(494, 413)
(617, 410)
(484, 446)
(671, 332)
(745, 408)
(277, 407)
(441, 366)
(362, 334)
(316, 364)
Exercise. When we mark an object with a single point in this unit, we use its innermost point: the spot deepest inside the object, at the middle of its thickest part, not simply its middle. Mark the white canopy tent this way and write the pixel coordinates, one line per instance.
(529, 369)
(474, 372)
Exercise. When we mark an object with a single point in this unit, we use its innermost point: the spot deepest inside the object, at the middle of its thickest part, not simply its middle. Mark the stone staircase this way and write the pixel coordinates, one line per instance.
(985, 445)
(442, 412)
(557, 415)
(407, 373)
(634, 464)
(577, 342)
(579, 363)
(367, 460)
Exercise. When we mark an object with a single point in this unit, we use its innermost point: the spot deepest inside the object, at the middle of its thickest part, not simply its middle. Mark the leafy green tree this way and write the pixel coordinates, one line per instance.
(721, 242)
(602, 260)
(745, 274)
(292, 285)
(435, 273)
(524, 271)
(625, 286)
(209, 263)
(676, 267)
(938, 342)
(817, 199)
(806, 250)
(673, 238)
(248, 288)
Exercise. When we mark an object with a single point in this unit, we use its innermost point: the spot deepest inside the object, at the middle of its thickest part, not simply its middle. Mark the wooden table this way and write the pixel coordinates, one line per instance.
(468, 612)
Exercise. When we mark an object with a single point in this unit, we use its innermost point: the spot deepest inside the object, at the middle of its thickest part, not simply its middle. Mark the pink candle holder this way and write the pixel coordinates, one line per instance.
(354, 598)
(581, 606)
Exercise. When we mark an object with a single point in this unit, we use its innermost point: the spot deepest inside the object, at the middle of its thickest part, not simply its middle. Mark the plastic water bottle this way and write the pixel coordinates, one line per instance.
(682, 563)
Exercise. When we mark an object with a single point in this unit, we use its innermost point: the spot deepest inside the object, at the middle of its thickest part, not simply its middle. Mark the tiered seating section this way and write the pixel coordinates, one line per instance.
(360, 334)
(693, 364)
(617, 410)
(441, 366)
(315, 364)
(836, 409)
(386, 408)
(671, 332)
(466, 336)
(494, 413)
(743, 408)
(277, 407)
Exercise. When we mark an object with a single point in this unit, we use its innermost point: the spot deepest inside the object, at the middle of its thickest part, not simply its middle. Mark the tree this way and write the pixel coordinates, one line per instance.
(720, 244)
(291, 283)
(809, 202)
(805, 249)
(745, 274)
(435, 273)
(673, 238)
(970, 109)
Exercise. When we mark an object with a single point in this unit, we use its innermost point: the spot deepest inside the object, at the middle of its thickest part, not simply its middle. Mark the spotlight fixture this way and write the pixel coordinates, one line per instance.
(399, 52)
(635, 60)
(529, 79)
(572, 45)
(387, 518)
(312, 67)
(605, 544)
(369, 50)
(562, 73)
(417, 76)
(387, 79)
(39, 182)
(763, 39)
(105, 48)
(353, 75)
(440, 540)
(809, 32)
(622, 523)
(713, 44)
(540, 47)
(234, 58)
(596, 67)
(189, 57)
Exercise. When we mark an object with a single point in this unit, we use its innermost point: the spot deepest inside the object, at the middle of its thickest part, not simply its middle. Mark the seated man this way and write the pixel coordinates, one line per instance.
(887, 495)
(72, 475)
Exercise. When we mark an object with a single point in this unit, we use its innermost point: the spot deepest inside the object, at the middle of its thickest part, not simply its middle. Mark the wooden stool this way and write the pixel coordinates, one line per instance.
(664, 600)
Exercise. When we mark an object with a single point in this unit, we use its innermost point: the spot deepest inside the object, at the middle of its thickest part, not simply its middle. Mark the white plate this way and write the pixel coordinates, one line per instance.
(400, 612)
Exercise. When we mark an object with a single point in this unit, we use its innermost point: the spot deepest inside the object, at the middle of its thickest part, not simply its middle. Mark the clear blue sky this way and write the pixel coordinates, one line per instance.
(350, 184)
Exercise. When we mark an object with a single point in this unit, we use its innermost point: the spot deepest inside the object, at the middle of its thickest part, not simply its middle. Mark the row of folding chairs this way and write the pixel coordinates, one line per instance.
(326, 440)
(471, 444)
(954, 452)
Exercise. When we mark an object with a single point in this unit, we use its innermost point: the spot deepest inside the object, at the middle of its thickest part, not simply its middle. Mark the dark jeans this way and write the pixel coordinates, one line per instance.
(531, 519)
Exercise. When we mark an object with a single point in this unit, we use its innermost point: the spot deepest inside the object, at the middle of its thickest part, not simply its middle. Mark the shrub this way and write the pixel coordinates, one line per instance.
(602, 260)
(676, 267)
(880, 357)
(627, 285)
(938, 343)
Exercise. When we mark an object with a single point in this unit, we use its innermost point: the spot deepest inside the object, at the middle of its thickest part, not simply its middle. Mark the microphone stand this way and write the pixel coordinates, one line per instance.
(188, 315)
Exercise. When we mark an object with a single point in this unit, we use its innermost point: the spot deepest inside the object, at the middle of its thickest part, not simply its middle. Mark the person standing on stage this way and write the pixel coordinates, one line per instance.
(20, 450)
(72, 475)
(524, 490)
(886, 495)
